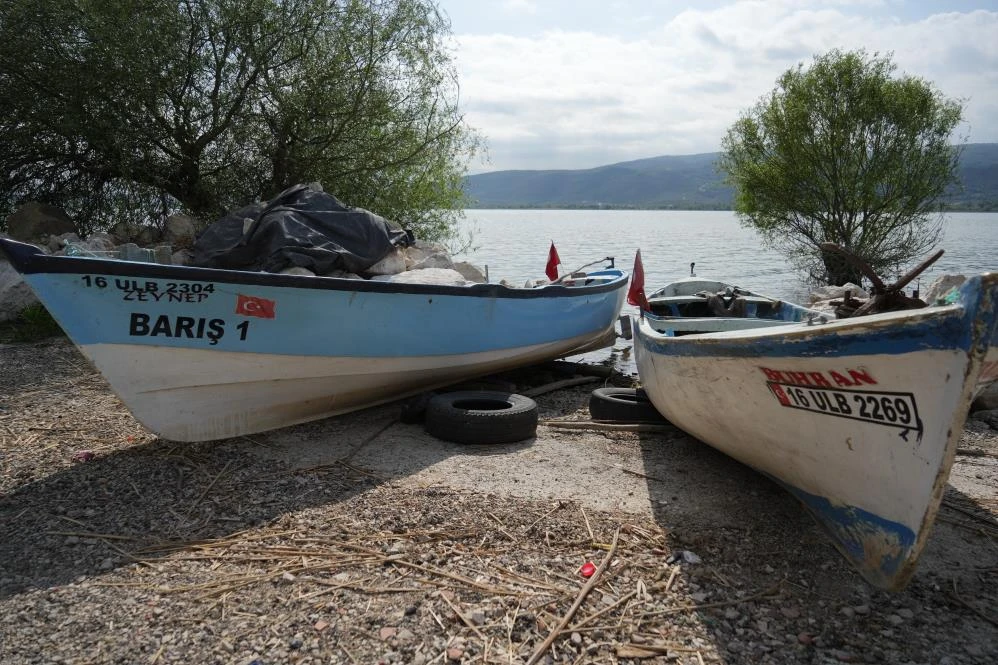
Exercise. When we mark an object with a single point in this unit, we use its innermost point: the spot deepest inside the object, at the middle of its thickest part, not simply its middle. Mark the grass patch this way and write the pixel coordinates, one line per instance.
(32, 325)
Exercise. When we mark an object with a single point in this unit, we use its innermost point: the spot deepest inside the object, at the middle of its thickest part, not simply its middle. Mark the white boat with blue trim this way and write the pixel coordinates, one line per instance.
(199, 354)
(857, 417)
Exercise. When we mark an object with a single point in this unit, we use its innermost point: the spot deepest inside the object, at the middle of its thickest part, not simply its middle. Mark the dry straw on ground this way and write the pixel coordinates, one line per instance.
(150, 551)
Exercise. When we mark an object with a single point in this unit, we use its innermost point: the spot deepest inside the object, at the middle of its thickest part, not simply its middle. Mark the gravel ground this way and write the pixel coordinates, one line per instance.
(119, 547)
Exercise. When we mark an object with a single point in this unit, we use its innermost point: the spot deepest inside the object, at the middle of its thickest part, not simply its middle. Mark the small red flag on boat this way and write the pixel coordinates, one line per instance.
(636, 293)
(553, 262)
(254, 306)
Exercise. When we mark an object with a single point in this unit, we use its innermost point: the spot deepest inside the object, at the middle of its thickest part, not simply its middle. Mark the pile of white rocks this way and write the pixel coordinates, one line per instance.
(51, 229)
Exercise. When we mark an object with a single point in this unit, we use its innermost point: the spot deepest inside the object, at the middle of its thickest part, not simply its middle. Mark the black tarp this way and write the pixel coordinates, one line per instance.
(299, 227)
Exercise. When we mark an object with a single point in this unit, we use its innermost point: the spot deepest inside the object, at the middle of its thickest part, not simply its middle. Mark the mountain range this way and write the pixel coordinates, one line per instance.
(682, 182)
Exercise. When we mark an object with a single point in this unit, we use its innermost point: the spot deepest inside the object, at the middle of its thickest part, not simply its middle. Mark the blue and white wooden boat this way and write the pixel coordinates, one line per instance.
(859, 417)
(199, 354)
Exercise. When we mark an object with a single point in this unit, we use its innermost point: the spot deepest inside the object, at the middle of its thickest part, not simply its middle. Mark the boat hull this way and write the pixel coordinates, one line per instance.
(200, 354)
(858, 418)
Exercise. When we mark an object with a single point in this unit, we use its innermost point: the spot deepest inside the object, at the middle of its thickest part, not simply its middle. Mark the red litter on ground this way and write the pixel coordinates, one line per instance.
(588, 568)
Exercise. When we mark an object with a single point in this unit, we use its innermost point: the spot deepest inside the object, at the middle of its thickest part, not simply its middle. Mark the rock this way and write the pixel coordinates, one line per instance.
(862, 610)
(163, 254)
(342, 274)
(790, 612)
(182, 258)
(987, 400)
(906, 613)
(147, 235)
(837, 292)
(99, 244)
(140, 234)
(180, 230)
(298, 270)
(470, 272)
(392, 264)
(454, 653)
(387, 632)
(989, 416)
(426, 255)
(440, 276)
(15, 294)
(939, 287)
(57, 243)
(34, 221)
(123, 232)
(976, 426)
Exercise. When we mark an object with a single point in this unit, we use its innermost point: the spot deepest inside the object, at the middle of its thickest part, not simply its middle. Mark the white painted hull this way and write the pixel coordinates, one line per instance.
(858, 418)
(199, 395)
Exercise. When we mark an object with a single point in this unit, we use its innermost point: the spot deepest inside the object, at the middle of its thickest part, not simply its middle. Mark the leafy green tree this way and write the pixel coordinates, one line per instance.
(844, 152)
(130, 109)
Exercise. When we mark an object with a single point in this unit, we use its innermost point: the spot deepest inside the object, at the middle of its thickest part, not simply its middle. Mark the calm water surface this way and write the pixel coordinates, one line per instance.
(514, 245)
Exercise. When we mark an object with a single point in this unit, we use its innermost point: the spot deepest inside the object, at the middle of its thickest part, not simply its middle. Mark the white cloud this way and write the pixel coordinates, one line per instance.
(520, 7)
(576, 99)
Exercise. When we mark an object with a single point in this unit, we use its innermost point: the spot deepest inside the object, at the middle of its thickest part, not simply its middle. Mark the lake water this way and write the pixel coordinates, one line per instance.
(514, 245)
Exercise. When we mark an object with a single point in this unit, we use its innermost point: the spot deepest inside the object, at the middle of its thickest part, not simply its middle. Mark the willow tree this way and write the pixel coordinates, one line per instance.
(126, 109)
(844, 152)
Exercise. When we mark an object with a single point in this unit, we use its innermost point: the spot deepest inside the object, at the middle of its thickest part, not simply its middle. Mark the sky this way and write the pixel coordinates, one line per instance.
(574, 84)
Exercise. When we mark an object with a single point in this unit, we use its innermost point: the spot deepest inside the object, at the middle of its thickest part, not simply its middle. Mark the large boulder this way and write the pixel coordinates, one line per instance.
(471, 272)
(180, 231)
(440, 276)
(15, 294)
(142, 235)
(58, 243)
(837, 292)
(423, 255)
(34, 222)
(392, 264)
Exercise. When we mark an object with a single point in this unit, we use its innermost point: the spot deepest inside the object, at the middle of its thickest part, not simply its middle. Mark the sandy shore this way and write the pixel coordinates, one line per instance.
(360, 539)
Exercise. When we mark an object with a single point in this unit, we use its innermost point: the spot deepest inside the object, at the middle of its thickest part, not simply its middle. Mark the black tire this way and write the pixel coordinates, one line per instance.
(481, 416)
(623, 405)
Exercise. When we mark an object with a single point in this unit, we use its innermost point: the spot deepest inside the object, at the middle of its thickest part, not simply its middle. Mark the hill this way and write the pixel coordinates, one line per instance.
(686, 182)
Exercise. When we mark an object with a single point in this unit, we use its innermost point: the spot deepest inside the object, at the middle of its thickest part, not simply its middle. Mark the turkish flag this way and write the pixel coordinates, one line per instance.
(636, 294)
(553, 262)
(253, 306)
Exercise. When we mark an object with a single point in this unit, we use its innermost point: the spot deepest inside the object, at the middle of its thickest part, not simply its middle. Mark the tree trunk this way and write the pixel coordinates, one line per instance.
(838, 271)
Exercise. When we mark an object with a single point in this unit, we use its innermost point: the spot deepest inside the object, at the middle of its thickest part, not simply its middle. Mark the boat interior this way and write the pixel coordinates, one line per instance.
(694, 306)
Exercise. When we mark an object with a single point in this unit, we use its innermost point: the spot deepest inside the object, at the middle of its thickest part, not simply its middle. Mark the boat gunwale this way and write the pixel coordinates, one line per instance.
(793, 331)
(28, 259)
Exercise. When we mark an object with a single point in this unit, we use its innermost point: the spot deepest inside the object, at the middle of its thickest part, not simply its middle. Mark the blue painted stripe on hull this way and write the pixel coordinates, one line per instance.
(876, 546)
(924, 330)
(317, 321)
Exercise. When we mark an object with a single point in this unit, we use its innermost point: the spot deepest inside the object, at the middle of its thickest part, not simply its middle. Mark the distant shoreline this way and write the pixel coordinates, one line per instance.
(527, 206)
